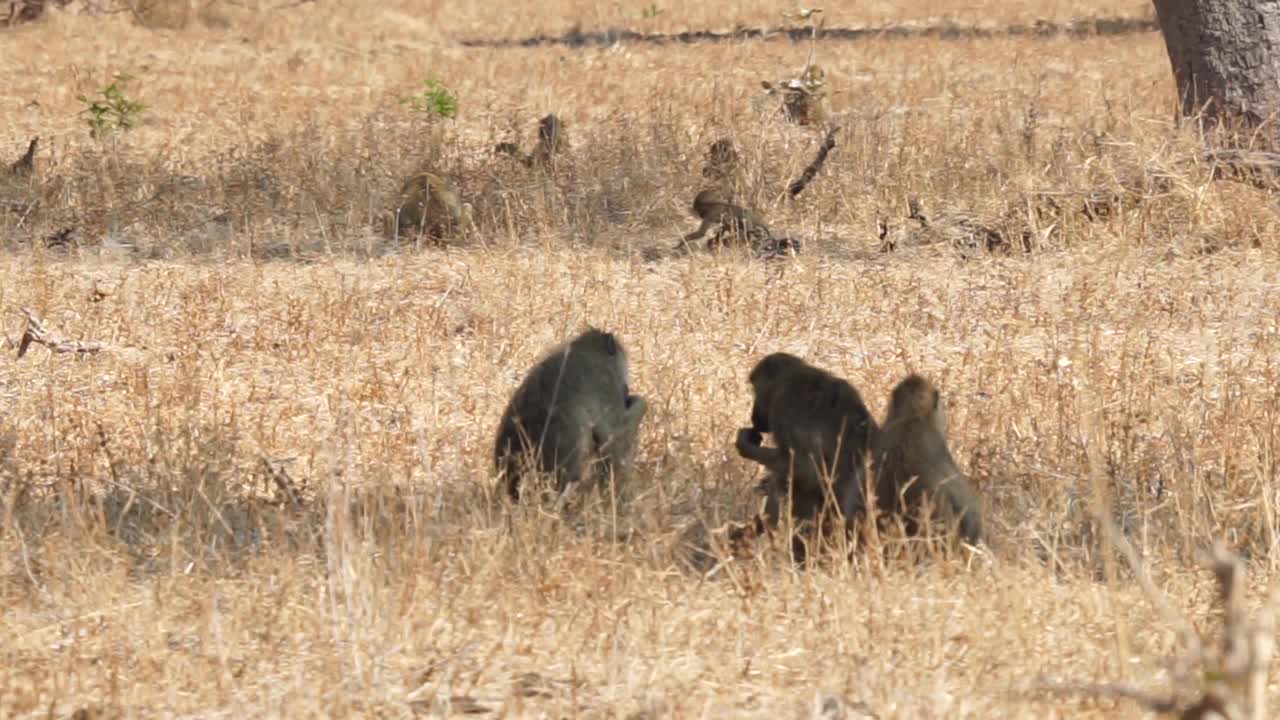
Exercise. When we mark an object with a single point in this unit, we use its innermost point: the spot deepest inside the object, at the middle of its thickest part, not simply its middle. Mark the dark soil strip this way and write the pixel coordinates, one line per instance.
(943, 31)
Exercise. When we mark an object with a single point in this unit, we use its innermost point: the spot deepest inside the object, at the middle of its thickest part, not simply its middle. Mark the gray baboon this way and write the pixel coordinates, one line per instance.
(912, 463)
(822, 432)
(429, 204)
(573, 406)
(724, 223)
(26, 165)
(552, 141)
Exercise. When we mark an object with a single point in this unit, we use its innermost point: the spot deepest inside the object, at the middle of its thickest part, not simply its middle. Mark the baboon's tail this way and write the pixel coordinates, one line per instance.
(27, 163)
(799, 184)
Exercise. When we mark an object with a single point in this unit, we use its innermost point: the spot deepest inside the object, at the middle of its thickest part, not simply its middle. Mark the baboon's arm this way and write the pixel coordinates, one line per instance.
(749, 447)
(702, 230)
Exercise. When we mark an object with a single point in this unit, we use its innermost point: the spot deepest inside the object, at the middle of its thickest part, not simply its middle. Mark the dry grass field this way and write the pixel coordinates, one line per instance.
(270, 491)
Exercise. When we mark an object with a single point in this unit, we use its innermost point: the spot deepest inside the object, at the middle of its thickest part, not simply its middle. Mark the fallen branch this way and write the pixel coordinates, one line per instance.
(37, 333)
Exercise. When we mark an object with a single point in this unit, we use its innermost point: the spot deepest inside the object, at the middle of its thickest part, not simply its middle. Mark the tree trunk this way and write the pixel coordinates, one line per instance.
(1226, 61)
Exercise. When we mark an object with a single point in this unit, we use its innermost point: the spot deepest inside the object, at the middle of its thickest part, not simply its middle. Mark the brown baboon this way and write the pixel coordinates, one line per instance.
(26, 165)
(722, 161)
(912, 463)
(429, 204)
(728, 224)
(804, 99)
(822, 432)
(962, 231)
(573, 406)
(552, 141)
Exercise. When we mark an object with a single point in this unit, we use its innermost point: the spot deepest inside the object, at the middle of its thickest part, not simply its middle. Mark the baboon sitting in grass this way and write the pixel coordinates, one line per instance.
(913, 466)
(822, 432)
(552, 142)
(724, 223)
(572, 409)
(429, 205)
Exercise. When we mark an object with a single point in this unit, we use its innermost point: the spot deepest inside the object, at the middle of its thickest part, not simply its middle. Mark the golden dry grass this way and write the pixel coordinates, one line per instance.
(150, 567)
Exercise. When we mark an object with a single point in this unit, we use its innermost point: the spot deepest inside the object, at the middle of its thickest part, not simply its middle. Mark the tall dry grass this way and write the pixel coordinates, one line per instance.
(270, 493)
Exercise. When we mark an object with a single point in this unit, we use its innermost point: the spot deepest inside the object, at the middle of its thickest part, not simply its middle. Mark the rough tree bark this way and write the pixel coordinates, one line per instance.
(1226, 61)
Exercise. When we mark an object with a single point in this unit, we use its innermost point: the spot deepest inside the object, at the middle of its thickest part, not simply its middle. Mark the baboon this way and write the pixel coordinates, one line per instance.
(728, 224)
(959, 230)
(804, 99)
(911, 463)
(429, 204)
(552, 141)
(822, 432)
(26, 165)
(573, 406)
(722, 161)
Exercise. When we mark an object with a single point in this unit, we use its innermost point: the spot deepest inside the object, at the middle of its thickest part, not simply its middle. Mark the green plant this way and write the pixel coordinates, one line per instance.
(114, 110)
(651, 11)
(435, 99)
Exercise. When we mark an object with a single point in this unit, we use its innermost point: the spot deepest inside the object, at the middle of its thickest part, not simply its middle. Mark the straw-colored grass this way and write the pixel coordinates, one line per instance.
(257, 333)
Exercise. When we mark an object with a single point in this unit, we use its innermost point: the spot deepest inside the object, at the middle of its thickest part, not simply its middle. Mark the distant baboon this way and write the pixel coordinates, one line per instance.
(429, 204)
(911, 463)
(728, 224)
(26, 165)
(722, 161)
(962, 231)
(552, 141)
(804, 99)
(822, 432)
(574, 406)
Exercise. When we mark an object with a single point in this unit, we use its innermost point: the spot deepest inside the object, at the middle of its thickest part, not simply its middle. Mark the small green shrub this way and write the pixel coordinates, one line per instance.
(113, 111)
(435, 99)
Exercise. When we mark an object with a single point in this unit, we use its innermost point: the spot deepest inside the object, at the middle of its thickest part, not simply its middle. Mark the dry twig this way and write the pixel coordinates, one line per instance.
(37, 333)
(1223, 682)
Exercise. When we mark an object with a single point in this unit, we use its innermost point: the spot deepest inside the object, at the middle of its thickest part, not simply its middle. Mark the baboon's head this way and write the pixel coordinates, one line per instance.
(766, 380)
(603, 347)
(550, 131)
(813, 76)
(915, 398)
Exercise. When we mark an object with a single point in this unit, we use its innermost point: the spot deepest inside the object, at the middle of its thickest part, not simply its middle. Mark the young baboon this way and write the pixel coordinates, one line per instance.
(26, 165)
(912, 463)
(552, 141)
(573, 406)
(429, 204)
(733, 224)
(822, 432)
